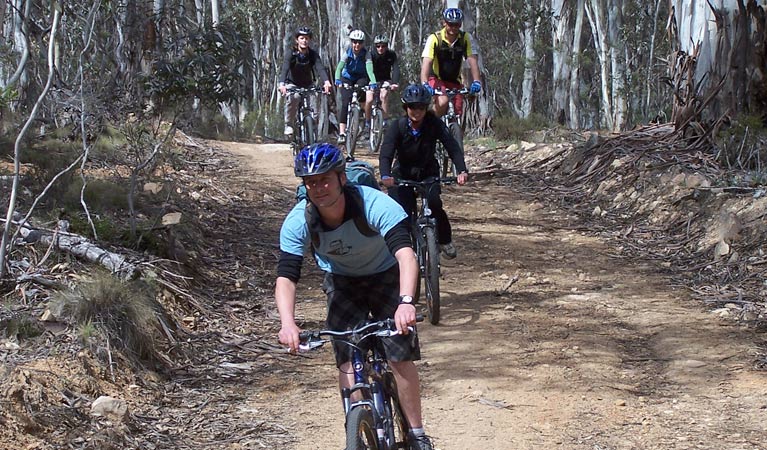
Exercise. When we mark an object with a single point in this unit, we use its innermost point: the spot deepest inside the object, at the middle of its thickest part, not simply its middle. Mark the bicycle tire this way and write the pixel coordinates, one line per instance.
(419, 250)
(352, 130)
(376, 130)
(361, 430)
(308, 130)
(400, 426)
(432, 275)
(457, 133)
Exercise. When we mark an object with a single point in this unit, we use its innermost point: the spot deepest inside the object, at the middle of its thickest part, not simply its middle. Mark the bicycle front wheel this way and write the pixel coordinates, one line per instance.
(399, 425)
(352, 130)
(431, 277)
(376, 130)
(310, 136)
(360, 430)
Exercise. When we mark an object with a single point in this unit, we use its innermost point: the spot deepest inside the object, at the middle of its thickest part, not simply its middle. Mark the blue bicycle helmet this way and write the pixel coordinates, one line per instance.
(416, 93)
(453, 15)
(317, 159)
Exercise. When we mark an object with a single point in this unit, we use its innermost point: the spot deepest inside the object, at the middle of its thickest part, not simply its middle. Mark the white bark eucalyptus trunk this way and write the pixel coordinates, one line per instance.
(561, 39)
(341, 15)
(575, 80)
(528, 79)
(596, 14)
(617, 65)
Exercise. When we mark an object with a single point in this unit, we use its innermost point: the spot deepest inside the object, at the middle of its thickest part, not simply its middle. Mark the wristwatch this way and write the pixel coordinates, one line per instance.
(405, 299)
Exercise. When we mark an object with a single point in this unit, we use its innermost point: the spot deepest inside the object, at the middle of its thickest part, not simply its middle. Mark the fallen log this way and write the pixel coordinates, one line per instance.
(82, 247)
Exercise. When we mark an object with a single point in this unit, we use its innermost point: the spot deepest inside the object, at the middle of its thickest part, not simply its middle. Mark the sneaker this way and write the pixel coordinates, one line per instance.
(422, 442)
(288, 130)
(449, 250)
(341, 139)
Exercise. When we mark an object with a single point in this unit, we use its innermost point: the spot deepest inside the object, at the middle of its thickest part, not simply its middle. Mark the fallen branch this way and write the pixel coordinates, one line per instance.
(82, 247)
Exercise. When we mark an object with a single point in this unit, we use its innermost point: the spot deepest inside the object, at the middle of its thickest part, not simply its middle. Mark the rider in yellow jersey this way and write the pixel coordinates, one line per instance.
(443, 56)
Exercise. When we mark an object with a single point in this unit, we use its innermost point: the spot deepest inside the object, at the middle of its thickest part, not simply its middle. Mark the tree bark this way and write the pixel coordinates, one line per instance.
(561, 39)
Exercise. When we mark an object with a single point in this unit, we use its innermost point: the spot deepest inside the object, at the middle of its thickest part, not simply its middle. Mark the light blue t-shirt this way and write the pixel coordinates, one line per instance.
(345, 250)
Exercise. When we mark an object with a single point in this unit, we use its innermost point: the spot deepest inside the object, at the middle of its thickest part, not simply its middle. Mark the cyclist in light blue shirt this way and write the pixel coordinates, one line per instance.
(360, 238)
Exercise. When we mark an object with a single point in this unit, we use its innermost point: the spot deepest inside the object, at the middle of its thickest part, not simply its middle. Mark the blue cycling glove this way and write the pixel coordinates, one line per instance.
(338, 83)
(428, 88)
(374, 86)
(476, 86)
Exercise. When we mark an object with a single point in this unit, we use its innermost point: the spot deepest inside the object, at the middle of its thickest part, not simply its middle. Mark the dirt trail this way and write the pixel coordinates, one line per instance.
(583, 351)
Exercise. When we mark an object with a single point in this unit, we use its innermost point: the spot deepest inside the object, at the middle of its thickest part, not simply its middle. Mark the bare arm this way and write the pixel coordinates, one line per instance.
(425, 69)
(285, 297)
(474, 68)
(408, 274)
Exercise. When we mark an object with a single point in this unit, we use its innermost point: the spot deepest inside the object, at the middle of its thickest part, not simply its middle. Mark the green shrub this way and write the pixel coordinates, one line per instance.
(124, 313)
(508, 127)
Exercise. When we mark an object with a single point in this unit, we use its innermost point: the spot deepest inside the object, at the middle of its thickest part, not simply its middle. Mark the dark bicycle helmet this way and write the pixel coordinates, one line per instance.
(381, 39)
(304, 31)
(416, 93)
(317, 159)
(453, 15)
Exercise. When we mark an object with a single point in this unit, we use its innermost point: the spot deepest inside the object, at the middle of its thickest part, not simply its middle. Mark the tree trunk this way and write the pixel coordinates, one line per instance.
(596, 14)
(617, 65)
(561, 58)
(528, 79)
(575, 79)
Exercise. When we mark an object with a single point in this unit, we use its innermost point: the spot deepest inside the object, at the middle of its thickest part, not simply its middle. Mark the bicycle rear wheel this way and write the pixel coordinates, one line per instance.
(432, 275)
(400, 426)
(360, 430)
(376, 130)
(352, 130)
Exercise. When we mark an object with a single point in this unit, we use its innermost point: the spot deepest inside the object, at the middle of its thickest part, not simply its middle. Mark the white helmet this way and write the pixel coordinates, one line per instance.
(357, 35)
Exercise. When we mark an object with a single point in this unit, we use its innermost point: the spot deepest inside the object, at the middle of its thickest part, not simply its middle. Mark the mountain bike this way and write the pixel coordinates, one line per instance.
(376, 421)
(353, 118)
(424, 231)
(304, 131)
(377, 120)
(453, 122)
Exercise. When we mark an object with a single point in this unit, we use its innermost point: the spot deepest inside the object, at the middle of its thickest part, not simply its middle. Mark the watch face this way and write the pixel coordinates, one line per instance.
(406, 299)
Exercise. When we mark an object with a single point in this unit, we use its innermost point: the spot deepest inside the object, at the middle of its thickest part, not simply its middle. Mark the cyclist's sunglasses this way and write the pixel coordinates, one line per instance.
(382, 45)
(419, 106)
(355, 41)
(454, 24)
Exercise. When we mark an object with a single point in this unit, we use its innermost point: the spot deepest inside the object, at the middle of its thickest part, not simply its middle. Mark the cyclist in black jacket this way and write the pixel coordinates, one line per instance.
(301, 68)
(386, 70)
(412, 140)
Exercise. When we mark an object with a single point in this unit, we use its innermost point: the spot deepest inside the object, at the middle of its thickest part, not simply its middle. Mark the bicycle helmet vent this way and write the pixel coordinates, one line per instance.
(357, 35)
(317, 159)
(381, 39)
(416, 93)
(304, 31)
(453, 15)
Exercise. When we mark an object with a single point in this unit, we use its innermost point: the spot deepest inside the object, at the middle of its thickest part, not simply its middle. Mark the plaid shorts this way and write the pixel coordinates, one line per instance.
(352, 299)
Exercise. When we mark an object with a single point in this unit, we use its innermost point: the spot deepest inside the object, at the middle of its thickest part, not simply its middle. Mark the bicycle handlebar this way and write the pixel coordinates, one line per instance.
(302, 90)
(427, 182)
(452, 92)
(382, 328)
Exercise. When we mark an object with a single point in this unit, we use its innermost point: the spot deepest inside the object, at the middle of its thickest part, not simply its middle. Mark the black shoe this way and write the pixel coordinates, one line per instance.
(422, 442)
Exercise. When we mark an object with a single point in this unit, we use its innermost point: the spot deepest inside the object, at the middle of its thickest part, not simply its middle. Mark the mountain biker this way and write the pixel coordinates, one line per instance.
(356, 69)
(301, 68)
(443, 57)
(386, 71)
(366, 272)
(412, 140)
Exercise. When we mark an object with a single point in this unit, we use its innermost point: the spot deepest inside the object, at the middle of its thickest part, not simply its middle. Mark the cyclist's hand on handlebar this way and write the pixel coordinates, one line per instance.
(476, 86)
(462, 178)
(289, 336)
(393, 87)
(404, 317)
(373, 86)
(428, 88)
(387, 181)
(327, 87)
(339, 83)
(283, 90)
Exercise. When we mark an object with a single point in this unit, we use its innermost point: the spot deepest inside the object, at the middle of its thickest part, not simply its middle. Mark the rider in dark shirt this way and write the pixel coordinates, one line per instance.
(386, 70)
(301, 68)
(412, 141)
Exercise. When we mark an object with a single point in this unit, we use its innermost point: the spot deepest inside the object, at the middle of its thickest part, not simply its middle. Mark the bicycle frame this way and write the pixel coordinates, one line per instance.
(304, 130)
(373, 378)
